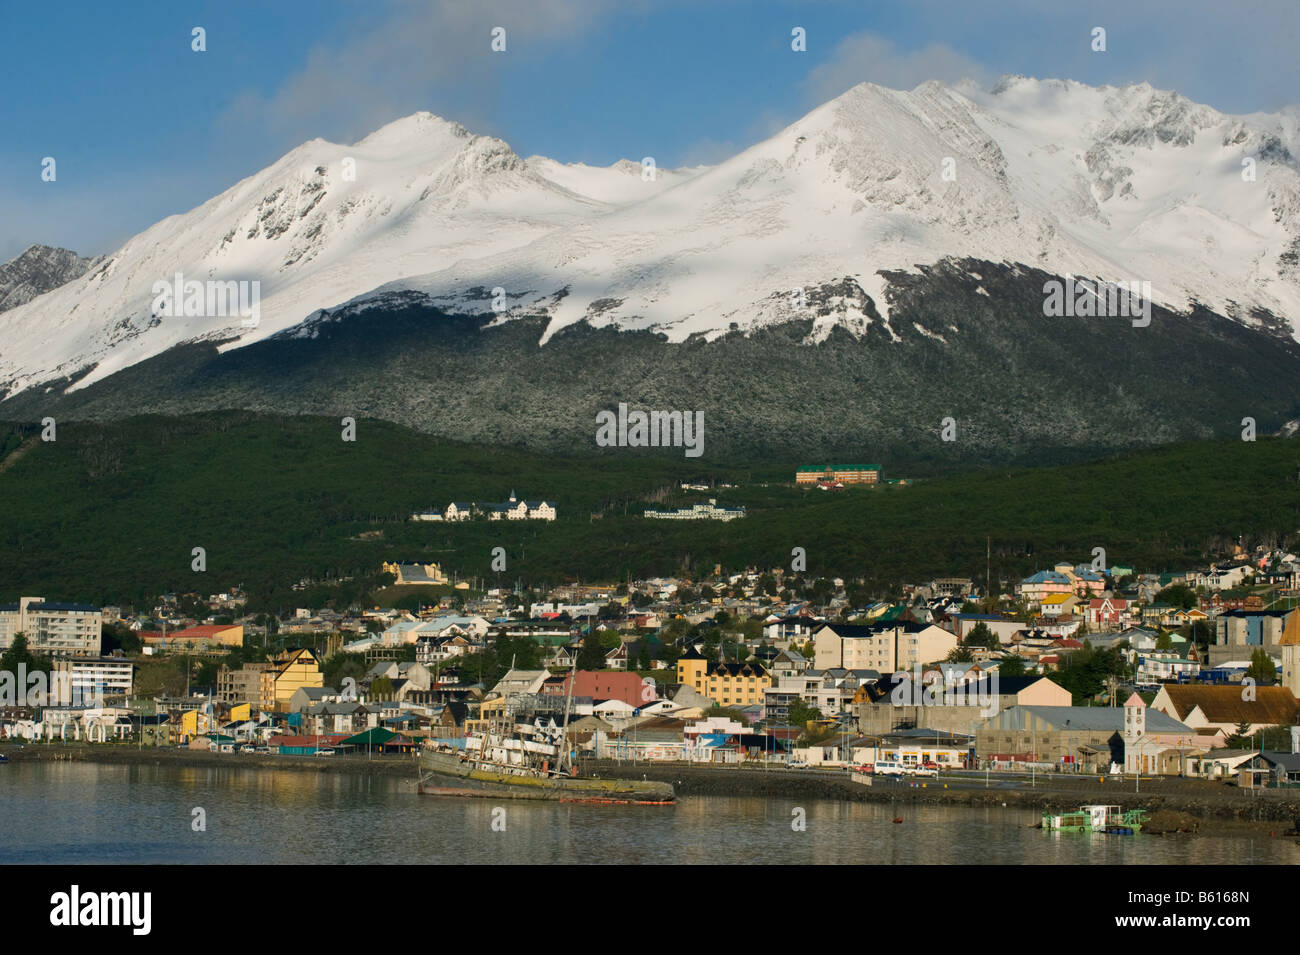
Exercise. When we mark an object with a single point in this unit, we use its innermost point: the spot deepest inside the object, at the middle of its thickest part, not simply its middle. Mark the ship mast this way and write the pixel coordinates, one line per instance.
(565, 761)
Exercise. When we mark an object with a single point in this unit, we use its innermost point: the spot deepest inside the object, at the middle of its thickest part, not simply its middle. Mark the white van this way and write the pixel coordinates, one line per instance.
(886, 768)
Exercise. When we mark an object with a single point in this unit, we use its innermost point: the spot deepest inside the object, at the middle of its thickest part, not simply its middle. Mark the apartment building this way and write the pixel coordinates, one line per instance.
(885, 646)
(95, 677)
(53, 629)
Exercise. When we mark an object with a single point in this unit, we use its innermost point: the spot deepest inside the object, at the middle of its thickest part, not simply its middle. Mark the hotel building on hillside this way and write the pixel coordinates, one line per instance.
(53, 629)
(843, 473)
(699, 512)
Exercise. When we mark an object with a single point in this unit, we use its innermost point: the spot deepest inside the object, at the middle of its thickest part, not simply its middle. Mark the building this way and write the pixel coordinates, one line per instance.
(699, 512)
(1238, 632)
(412, 573)
(207, 636)
(1085, 738)
(252, 683)
(95, 677)
(53, 629)
(1107, 613)
(842, 473)
(1222, 709)
(727, 684)
(886, 646)
(1290, 644)
(294, 669)
(1043, 584)
(959, 707)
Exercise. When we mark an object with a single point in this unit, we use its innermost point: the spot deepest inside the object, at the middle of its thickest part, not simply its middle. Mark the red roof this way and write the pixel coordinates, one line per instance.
(204, 630)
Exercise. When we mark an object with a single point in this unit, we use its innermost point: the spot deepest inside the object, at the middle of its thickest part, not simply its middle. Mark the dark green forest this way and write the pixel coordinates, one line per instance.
(110, 512)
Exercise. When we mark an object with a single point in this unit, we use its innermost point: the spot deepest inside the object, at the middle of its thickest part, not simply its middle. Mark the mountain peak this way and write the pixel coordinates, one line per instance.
(415, 128)
(36, 271)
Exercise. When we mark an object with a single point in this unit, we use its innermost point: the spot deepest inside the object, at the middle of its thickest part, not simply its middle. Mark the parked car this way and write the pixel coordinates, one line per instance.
(889, 768)
(324, 752)
(922, 771)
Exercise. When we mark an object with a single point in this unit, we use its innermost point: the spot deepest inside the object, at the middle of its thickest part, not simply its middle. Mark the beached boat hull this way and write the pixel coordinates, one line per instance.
(449, 774)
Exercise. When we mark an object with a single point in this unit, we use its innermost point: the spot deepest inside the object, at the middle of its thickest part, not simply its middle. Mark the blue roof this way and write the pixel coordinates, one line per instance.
(1047, 577)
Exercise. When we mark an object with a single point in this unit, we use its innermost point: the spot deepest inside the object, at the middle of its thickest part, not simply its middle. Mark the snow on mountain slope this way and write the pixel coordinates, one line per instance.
(1127, 184)
(1117, 183)
(418, 194)
(620, 184)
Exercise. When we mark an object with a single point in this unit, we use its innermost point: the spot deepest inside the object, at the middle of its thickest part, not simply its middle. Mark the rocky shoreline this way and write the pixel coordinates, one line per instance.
(1177, 805)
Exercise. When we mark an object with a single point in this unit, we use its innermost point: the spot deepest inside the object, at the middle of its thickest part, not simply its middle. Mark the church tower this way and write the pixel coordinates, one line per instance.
(1290, 644)
(1135, 727)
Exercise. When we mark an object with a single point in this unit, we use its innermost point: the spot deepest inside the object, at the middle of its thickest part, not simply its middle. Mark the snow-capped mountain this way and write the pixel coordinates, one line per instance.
(38, 270)
(1121, 184)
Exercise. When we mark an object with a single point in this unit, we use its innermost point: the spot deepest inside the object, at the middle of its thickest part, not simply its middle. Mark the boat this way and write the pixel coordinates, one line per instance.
(1111, 820)
(527, 760)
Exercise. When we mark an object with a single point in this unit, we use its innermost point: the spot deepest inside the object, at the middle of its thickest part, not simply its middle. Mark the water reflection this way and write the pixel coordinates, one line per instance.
(80, 812)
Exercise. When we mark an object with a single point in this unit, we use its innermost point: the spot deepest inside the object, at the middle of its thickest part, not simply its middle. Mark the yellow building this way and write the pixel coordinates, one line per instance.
(294, 670)
(727, 684)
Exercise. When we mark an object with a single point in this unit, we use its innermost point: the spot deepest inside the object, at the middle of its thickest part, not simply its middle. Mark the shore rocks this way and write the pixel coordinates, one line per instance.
(1165, 821)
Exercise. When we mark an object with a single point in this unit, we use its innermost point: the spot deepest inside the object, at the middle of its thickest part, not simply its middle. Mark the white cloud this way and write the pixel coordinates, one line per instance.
(868, 58)
(420, 56)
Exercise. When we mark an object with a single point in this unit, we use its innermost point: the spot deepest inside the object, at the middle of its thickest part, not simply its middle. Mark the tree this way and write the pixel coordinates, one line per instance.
(18, 655)
(1261, 668)
(590, 655)
(1164, 641)
(960, 654)
(1241, 738)
(801, 713)
(1012, 665)
(982, 636)
(381, 688)
(1177, 595)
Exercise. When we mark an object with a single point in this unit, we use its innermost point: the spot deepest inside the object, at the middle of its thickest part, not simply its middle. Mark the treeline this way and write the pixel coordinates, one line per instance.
(112, 513)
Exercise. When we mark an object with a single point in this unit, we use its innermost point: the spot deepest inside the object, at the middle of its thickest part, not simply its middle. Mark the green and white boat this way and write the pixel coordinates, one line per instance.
(1111, 820)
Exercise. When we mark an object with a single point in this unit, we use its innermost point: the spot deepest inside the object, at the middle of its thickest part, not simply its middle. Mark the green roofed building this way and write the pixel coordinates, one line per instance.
(843, 473)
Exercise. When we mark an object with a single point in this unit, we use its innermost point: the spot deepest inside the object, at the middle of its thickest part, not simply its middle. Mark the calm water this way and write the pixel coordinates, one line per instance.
(82, 812)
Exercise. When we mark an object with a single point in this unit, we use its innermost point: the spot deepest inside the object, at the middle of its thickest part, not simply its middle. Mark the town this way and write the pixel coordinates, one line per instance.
(1075, 669)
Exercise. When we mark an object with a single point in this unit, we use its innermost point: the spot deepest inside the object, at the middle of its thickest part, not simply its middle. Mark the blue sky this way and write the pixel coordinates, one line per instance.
(142, 127)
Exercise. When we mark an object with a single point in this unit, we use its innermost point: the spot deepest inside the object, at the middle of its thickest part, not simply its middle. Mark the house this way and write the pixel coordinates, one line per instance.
(1033, 589)
(306, 697)
(1221, 709)
(797, 627)
(1107, 613)
(1057, 605)
(1269, 767)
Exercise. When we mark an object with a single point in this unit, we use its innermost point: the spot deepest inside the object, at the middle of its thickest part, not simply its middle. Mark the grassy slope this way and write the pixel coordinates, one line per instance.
(110, 512)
